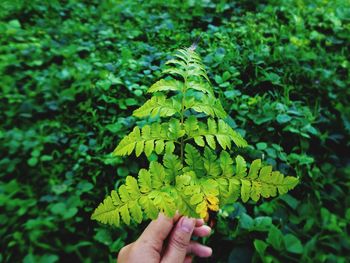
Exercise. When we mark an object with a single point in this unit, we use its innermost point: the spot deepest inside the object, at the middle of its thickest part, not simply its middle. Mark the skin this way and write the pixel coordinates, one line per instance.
(168, 240)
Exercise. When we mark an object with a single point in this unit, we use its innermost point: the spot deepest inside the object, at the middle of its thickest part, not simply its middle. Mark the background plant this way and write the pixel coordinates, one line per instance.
(281, 69)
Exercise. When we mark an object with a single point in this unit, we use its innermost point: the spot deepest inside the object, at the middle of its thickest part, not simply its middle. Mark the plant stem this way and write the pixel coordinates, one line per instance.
(182, 116)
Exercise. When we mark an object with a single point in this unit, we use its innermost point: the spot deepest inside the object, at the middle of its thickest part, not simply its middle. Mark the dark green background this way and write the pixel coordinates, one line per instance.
(72, 72)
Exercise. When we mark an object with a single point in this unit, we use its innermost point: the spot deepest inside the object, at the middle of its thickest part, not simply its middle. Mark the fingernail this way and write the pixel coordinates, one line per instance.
(187, 224)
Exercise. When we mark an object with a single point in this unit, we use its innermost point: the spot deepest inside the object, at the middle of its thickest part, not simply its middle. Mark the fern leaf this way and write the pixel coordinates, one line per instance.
(145, 181)
(223, 133)
(175, 130)
(159, 177)
(150, 138)
(135, 211)
(191, 125)
(208, 180)
(123, 193)
(107, 213)
(132, 187)
(241, 167)
(226, 164)
(158, 104)
(245, 190)
(210, 141)
(125, 214)
(203, 87)
(166, 85)
(127, 144)
(210, 164)
(177, 62)
(208, 105)
(193, 159)
(175, 72)
(165, 202)
(172, 164)
(254, 169)
(159, 146)
(169, 147)
(149, 207)
(265, 183)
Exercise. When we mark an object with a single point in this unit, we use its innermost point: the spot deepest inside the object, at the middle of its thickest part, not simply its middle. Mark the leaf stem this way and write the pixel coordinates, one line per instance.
(182, 116)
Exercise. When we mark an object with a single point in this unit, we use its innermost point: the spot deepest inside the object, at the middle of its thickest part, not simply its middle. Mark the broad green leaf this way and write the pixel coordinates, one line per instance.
(293, 244)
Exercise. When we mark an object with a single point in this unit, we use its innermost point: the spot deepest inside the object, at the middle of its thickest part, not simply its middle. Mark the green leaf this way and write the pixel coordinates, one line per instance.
(132, 187)
(173, 164)
(210, 164)
(166, 85)
(125, 215)
(283, 118)
(260, 247)
(191, 125)
(159, 146)
(135, 211)
(275, 238)
(175, 129)
(226, 164)
(149, 146)
(293, 244)
(210, 141)
(158, 104)
(254, 169)
(245, 190)
(145, 181)
(241, 167)
(193, 159)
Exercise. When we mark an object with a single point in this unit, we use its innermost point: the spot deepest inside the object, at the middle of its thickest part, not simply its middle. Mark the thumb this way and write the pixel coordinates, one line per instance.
(179, 240)
(156, 232)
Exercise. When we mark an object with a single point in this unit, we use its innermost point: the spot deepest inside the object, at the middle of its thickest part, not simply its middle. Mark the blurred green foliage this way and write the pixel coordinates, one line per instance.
(72, 71)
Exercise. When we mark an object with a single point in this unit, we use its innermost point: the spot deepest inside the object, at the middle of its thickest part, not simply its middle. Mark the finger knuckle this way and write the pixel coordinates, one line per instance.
(179, 242)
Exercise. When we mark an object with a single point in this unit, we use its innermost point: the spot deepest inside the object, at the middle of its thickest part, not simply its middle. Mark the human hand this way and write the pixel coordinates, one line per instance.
(167, 240)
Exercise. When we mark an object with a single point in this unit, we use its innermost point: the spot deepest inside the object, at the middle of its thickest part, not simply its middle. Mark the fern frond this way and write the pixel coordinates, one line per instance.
(187, 64)
(211, 166)
(201, 86)
(138, 199)
(199, 180)
(151, 137)
(166, 85)
(208, 105)
(173, 165)
(220, 130)
(193, 159)
(261, 181)
(197, 197)
(158, 104)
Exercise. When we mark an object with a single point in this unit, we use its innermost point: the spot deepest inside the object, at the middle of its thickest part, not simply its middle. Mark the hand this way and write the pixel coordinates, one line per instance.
(167, 240)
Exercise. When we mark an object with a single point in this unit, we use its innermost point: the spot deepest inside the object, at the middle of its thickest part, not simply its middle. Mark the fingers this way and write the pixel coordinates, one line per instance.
(202, 231)
(199, 250)
(199, 222)
(156, 232)
(179, 240)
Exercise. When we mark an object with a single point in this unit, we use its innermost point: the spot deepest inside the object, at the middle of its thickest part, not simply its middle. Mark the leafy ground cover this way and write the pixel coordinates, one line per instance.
(72, 71)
